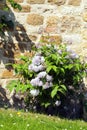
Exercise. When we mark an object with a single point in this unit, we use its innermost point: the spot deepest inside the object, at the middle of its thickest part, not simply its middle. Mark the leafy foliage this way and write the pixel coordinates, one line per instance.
(15, 5)
(50, 74)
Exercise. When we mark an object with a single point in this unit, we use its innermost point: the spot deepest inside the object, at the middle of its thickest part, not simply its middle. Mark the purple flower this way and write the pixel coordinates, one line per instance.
(40, 83)
(47, 85)
(35, 68)
(42, 74)
(42, 59)
(30, 67)
(36, 82)
(40, 68)
(34, 92)
(37, 60)
(49, 78)
(74, 55)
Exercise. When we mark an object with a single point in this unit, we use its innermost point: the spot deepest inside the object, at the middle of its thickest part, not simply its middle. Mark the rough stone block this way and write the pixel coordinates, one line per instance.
(35, 19)
(52, 24)
(74, 2)
(56, 39)
(84, 16)
(57, 2)
(70, 24)
(7, 74)
(51, 29)
(29, 54)
(35, 1)
(18, 1)
(84, 34)
(52, 20)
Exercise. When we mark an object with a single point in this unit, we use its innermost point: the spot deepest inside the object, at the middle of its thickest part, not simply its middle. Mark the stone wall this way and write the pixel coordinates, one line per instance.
(44, 20)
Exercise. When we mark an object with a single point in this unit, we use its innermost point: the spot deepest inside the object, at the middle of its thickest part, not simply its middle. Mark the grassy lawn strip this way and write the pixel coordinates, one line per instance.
(17, 120)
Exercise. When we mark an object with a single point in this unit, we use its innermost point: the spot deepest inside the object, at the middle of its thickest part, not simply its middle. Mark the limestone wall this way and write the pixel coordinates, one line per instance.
(44, 20)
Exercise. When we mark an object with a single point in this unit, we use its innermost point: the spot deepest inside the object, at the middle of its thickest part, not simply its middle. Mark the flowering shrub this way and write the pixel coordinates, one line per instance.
(52, 72)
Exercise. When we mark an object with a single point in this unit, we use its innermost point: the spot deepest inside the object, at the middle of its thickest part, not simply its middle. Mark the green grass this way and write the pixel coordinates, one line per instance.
(17, 120)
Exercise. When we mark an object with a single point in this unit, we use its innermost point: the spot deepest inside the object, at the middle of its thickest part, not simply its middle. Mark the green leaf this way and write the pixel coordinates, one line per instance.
(54, 91)
(70, 66)
(61, 91)
(15, 5)
(62, 70)
(53, 56)
(12, 84)
(24, 87)
(64, 87)
(54, 68)
(24, 58)
(77, 67)
(47, 104)
(49, 68)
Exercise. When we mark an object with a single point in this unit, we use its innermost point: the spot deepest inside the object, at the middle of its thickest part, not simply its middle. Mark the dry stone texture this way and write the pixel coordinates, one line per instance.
(74, 2)
(57, 2)
(35, 1)
(56, 39)
(35, 19)
(84, 16)
(19, 1)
